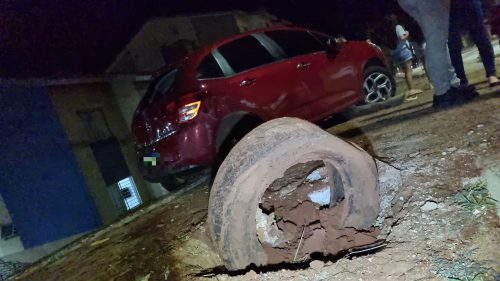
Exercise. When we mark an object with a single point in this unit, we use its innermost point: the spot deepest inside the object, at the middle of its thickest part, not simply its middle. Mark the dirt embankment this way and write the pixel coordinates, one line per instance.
(436, 215)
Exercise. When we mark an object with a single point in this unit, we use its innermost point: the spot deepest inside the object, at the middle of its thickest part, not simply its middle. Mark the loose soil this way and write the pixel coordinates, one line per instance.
(434, 230)
(303, 228)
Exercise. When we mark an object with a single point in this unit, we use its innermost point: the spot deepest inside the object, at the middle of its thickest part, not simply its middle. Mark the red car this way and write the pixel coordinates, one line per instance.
(193, 113)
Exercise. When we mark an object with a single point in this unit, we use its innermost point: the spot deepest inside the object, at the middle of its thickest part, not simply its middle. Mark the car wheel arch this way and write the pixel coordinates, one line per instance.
(229, 123)
(374, 61)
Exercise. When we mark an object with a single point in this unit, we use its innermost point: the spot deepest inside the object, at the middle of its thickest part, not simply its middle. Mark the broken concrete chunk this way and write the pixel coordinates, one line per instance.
(314, 176)
(144, 278)
(414, 154)
(266, 228)
(251, 275)
(321, 197)
(99, 242)
(429, 206)
(316, 265)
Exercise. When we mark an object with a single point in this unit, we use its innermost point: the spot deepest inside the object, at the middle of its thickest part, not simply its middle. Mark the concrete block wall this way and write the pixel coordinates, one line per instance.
(70, 99)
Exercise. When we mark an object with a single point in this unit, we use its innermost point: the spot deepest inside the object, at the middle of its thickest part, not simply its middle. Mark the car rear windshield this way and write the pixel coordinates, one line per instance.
(160, 86)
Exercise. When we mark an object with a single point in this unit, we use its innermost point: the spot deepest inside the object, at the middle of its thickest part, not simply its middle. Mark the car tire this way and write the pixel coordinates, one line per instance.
(239, 130)
(176, 182)
(263, 156)
(172, 183)
(378, 84)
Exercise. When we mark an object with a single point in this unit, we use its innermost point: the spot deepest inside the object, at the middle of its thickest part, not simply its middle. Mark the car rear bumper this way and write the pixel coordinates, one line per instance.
(189, 148)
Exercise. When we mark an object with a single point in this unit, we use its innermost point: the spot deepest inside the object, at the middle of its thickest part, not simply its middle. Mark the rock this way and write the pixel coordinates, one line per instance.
(451, 149)
(480, 125)
(470, 133)
(251, 275)
(166, 273)
(314, 176)
(317, 265)
(99, 242)
(144, 278)
(443, 153)
(414, 154)
(483, 145)
(429, 206)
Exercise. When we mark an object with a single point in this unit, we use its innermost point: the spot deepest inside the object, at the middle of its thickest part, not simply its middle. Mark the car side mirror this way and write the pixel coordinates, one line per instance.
(333, 47)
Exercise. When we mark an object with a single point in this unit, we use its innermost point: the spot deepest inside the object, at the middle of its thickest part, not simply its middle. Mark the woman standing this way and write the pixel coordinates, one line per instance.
(402, 56)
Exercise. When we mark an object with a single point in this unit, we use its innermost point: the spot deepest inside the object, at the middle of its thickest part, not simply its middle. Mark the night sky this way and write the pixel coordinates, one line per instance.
(64, 38)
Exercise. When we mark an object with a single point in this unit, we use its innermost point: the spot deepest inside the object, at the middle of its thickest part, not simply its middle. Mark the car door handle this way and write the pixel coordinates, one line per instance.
(247, 82)
(303, 65)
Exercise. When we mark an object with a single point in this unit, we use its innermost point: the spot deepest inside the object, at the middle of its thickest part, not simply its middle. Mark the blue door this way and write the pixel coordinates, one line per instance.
(40, 181)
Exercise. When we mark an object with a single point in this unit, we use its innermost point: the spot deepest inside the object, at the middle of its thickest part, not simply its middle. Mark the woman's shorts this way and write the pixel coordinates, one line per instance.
(401, 55)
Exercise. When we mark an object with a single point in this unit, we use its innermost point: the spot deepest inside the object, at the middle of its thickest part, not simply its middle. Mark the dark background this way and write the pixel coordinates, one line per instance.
(61, 38)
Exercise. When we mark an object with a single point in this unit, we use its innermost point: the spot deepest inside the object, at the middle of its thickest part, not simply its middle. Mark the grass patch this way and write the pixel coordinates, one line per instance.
(475, 196)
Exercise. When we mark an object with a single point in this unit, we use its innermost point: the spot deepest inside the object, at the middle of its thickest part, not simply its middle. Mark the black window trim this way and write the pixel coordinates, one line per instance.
(221, 62)
(224, 65)
(270, 46)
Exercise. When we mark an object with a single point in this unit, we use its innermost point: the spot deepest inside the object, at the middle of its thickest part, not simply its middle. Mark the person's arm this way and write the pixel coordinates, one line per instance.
(402, 33)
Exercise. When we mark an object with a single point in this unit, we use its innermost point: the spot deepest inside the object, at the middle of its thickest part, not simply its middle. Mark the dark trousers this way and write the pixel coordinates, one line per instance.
(467, 15)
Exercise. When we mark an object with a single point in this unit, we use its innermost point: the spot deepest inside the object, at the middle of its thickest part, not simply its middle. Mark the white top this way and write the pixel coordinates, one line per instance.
(401, 32)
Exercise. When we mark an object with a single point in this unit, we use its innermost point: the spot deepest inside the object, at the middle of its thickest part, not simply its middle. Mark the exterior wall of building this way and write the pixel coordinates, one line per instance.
(127, 95)
(145, 48)
(247, 22)
(43, 192)
(12, 245)
(143, 54)
(68, 102)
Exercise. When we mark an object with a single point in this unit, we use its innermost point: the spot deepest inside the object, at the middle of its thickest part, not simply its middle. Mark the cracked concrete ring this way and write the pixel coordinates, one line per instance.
(289, 191)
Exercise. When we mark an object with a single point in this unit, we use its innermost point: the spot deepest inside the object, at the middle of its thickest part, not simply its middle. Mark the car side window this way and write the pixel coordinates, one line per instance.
(209, 68)
(245, 53)
(295, 43)
(323, 38)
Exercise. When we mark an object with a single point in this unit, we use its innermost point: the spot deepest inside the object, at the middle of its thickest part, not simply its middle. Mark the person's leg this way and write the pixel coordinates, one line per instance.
(408, 74)
(412, 93)
(455, 42)
(480, 37)
(433, 18)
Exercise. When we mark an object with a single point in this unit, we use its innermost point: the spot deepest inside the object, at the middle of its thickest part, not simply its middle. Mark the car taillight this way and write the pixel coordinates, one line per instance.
(189, 111)
(189, 106)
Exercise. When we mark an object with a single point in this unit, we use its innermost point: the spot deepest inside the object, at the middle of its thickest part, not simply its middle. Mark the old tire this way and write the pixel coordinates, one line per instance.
(263, 156)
